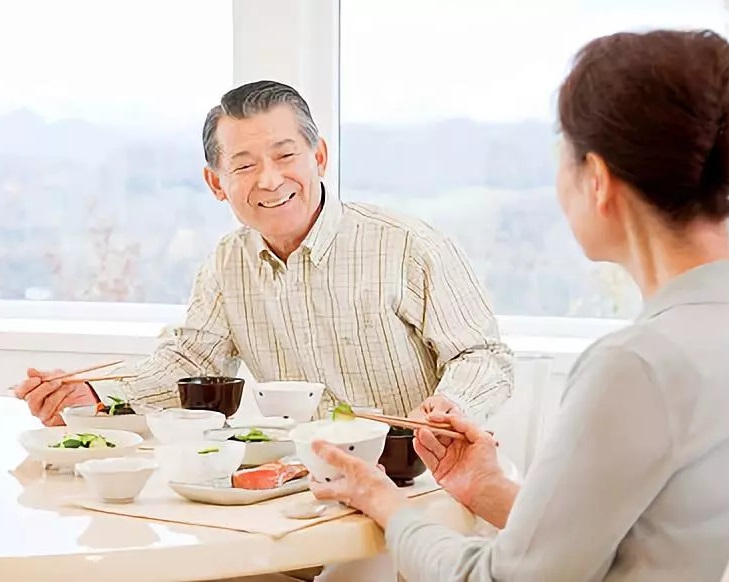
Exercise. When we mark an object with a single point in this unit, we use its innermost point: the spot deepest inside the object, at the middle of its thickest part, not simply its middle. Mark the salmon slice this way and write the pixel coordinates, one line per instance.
(268, 476)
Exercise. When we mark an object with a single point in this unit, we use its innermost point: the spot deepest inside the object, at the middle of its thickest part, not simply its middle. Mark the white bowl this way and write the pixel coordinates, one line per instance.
(85, 419)
(260, 421)
(118, 480)
(257, 453)
(37, 443)
(367, 443)
(178, 425)
(296, 400)
(184, 462)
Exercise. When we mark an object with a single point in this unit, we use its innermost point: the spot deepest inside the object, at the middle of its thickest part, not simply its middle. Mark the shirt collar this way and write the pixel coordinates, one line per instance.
(707, 283)
(320, 237)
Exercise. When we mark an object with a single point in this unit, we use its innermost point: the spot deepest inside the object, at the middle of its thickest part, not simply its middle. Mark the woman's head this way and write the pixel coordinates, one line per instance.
(644, 120)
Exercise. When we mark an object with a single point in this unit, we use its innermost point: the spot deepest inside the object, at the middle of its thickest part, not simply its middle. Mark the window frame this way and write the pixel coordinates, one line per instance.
(305, 54)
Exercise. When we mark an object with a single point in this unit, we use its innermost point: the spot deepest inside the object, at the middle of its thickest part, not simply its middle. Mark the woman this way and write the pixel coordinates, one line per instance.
(633, 481)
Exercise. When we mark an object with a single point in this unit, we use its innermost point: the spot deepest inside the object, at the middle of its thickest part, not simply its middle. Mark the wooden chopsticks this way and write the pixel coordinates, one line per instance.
(97, 379)
(410, 423)
(82, 371)
(69, 377)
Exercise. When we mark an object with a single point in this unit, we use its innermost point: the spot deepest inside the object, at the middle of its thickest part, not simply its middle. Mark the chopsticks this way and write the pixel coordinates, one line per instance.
(82, 371)
(97, 379)
(70, 376)
(410, 423)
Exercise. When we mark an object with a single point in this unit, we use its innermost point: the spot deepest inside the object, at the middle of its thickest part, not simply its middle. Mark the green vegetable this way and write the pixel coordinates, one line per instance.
(208, 451)
(254, 435)
(83, 441)
(343, 411)
(119, 406)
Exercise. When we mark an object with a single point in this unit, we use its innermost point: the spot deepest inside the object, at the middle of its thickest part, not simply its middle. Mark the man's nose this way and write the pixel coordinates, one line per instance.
(269, 178)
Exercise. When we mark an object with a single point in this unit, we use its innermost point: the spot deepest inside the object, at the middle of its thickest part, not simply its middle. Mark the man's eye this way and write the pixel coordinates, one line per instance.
(285, 156)
(244, 167)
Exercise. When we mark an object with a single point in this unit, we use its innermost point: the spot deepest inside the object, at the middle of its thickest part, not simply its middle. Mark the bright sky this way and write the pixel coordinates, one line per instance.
(132, 58)
(402, 60)
(496, 60)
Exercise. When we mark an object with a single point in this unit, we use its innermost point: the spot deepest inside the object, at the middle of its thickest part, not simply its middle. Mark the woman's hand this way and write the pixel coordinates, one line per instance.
(468, 468)
(435, 404)
(362, 486)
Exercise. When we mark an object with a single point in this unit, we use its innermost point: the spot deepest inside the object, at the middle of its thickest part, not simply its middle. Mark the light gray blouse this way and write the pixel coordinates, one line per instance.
(633, 481)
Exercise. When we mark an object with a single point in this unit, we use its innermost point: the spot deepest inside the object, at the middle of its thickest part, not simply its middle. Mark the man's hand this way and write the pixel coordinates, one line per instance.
(436, 404)
(46, 399)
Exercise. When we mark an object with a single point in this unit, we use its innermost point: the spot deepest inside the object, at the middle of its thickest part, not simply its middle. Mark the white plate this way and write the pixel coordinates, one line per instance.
(233, 496)
(85, 419)
(37, 442)
(257, 453)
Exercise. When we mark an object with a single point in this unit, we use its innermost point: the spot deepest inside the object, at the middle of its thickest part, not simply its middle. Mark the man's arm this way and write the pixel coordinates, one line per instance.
(608, 456)
(203, 345)
(444, 301)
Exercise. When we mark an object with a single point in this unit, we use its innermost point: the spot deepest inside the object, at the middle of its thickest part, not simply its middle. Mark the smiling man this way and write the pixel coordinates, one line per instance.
(380, 308)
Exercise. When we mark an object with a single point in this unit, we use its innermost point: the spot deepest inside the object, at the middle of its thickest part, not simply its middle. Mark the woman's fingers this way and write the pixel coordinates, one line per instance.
(430, 460)
(428, 440)
(461, 424)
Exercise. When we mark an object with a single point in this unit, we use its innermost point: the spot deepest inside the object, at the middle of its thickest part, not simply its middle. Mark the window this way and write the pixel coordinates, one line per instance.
(447, 113)
(101, 109)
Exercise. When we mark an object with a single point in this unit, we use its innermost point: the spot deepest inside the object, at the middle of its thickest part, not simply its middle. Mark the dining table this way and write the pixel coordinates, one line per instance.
(43, 537)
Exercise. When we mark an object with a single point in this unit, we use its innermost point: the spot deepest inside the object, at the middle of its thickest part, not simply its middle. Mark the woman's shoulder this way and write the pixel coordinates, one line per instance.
(659, 353)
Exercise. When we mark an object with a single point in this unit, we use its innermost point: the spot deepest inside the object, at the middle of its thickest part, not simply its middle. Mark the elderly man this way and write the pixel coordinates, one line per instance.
(380, 308)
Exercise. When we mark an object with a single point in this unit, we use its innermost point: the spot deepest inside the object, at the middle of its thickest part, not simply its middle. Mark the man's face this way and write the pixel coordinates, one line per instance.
(268, 173)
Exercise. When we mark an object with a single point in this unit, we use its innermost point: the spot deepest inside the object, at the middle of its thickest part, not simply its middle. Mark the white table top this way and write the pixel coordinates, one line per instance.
(43, 539)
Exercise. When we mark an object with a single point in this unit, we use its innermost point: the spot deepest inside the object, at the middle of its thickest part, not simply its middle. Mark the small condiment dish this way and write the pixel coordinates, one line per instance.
(117, 480)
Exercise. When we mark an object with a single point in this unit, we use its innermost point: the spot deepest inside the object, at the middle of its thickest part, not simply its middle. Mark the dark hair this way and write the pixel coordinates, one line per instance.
(654, 106)
(249, 100)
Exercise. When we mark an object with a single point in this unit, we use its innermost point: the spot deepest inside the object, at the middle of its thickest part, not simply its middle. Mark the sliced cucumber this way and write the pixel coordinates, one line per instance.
(98, 443)
(343, 411)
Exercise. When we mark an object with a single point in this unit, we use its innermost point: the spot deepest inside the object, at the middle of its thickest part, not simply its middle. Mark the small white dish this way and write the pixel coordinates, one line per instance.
(38, 445)
(367, 443)
(222, 495)
(290, 400)
(85, 419)
(307, 509)
(178, 425)
(118, 480)
(257, 453)
(199, 461)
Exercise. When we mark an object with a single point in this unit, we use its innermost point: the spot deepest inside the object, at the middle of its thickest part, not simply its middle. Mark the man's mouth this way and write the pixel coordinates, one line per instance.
(278, 202)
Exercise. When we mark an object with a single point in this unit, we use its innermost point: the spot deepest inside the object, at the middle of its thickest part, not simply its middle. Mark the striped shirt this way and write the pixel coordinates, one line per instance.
(380, 308)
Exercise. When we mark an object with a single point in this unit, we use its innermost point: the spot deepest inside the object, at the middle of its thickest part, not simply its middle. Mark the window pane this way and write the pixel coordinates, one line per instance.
(447, 113)
(102, 105)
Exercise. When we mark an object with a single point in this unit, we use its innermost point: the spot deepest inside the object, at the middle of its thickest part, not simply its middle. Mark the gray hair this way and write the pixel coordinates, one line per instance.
(251, 99)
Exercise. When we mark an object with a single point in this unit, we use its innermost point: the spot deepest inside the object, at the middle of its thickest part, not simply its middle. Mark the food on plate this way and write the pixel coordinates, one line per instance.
(83, 441)
(343, 411)
(254, 435)
(116, 408)
(208, 451)
(268, 476)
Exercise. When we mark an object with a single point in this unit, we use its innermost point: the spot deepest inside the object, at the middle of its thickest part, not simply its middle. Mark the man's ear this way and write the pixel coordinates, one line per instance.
(212, 179)
(322, 157)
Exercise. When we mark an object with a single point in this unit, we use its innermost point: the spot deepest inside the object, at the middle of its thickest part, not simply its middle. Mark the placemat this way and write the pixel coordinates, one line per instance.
(158, 502)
